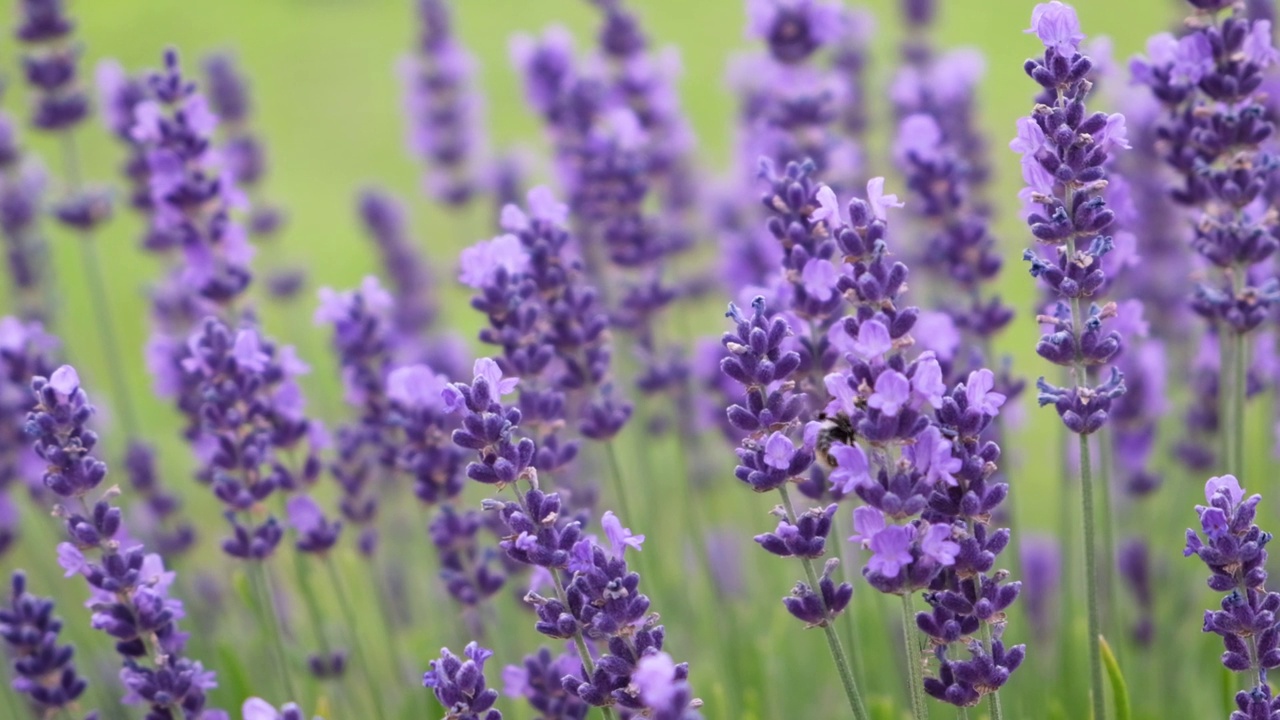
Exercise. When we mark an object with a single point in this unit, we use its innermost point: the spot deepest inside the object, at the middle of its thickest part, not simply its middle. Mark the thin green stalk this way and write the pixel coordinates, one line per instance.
(914, 675)
(267, 608)
(1226, 390)
(833, 640)
(1239, 356)
(1091, 582)
(962, 713)
(619, 485)
(847, 619)
(1090, 542)
(993, 697)
(357, 647)
(99, 299)
(1111, 611)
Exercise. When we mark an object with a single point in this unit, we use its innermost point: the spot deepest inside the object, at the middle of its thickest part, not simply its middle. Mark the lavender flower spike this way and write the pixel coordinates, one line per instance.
(460, 686)
(1064, 151)
(43, 670)
(1234, 549)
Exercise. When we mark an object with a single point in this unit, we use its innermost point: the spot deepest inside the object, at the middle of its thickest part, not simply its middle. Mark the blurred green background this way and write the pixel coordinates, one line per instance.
(327, 102)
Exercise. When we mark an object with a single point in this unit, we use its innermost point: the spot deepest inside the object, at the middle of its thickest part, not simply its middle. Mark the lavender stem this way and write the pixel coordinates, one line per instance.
(267, 611)
(98, 298)
(833, 640)
(579, 641)
(914, 681)
(357, 647)
(1106, 517)
(1226, 383)
(1239, 389)
(619, 485)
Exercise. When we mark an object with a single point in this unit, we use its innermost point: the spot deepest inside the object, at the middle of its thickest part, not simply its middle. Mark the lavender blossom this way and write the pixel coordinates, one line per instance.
(43, 670)
(537, 680)
(242, 151)
(252, 414)
(258, 709)
(129, 589)
(460, 686)
(50, 65)
(25, 352)
(22, 187)
(1234, 549)
(442, 106)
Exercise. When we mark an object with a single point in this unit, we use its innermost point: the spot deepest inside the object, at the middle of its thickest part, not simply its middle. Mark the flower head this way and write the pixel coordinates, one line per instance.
(891, 550)
(620, 537)
(879, 201)
(482, 262)
(1057, 26)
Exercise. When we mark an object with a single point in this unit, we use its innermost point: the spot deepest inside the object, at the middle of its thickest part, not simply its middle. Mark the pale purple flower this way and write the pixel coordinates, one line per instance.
(515, 679)
(931, 454)
(64, 381)
(927, 386)
(1257, 45)
(71, 559)
(526, 542)
(852, 468)
(620, 537)
(1226, 484)
(979, 392)
(937, 332)
(304, 513)
(879, 201)
(655, 679)
(248, 353)
(843, 397)
(867, 522)
(892, 392)
(416, 386)
(482, 261)
(1057, 26)
(544, 206)
(937, 544)
(828, 209)
(1115, 134)
(918, 135)
(492, 374)
(873, 340)
(891, 549)
(819, 278)
(778, 451)
(1030, 138)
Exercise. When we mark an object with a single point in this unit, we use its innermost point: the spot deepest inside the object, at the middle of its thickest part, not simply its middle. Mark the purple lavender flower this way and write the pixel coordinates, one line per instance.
(1042, 576)
(50, 65)
(22, 187)
(24, 353)
(44, 671)
(242, 151)
(442, 106)
(537, 680)
(129, 588)
(1233, 548)
(258, 709)
(460, 686)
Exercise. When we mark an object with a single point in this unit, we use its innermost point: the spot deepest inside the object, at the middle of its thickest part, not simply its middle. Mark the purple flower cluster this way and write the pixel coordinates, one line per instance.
(252, 415)
(442, 106)
(43, 670)
(50, 65)
(460, 686)
(1234, 549)
(1213, 133)
(22, 187)
(24, 353)
(597, 597)
(550, 324)
(193, 190)
(1064, 155)
(129, 589)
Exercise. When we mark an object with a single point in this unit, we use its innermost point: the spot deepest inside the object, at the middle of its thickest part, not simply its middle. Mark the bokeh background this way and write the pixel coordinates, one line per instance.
(327, 103)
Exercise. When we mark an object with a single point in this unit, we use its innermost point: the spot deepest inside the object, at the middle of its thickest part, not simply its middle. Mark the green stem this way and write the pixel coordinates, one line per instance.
(914, 681)
(357, 647)
(267, 609)
(1226, 390)
(833, 640)
(847, 619)
(1091, 581)
(619, 485)
(993, 697)
(99, 299)
(1105, 515)
(1240, 356)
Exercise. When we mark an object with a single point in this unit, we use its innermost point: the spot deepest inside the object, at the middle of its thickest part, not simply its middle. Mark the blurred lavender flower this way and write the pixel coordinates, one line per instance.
(22, 187)
(1134, 563)
(537, 680)
(49, 65)
(1042, 577)
(258, 709)
(442, 106)
(25, 352)
(43, 670)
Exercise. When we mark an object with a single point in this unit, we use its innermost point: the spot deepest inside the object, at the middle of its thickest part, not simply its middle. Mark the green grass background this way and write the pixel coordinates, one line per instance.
(327, 102)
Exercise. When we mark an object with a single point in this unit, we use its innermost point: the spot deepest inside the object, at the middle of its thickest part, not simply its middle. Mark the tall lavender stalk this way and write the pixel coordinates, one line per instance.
(129, 588)
(60, 105)
(1213, 134)
(1233, 547)
(22, 187)
(1064, 153)
(43, 670)
(25, 352)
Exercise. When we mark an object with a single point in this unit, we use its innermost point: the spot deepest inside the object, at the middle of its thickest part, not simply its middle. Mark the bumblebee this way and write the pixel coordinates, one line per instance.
(834, 429)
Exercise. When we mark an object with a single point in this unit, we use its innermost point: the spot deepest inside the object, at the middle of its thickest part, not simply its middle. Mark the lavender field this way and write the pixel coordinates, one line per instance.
(392, 359)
